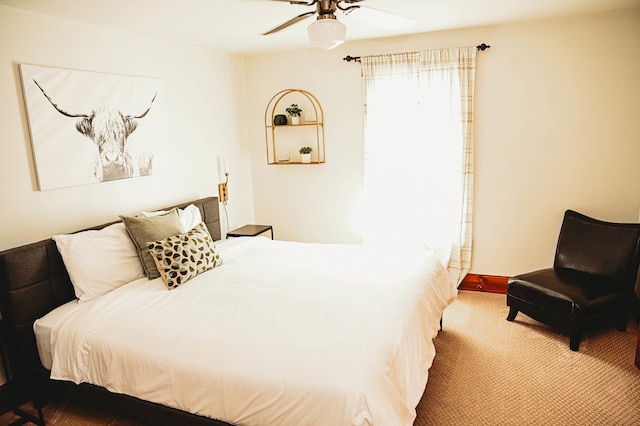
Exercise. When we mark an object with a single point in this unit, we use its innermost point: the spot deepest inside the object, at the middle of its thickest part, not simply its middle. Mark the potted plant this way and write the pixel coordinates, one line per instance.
(294, 112)
(305, 153)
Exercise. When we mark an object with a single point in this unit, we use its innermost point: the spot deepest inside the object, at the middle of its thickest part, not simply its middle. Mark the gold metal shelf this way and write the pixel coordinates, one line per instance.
(296, 125)
(285, 150)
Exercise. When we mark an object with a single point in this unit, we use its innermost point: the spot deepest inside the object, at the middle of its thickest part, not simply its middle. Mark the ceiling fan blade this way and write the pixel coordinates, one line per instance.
(290, 22)
(379, 18)
(303, 3)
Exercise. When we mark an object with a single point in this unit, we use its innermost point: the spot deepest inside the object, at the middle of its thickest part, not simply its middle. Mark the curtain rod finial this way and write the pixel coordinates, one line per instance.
(482, 46)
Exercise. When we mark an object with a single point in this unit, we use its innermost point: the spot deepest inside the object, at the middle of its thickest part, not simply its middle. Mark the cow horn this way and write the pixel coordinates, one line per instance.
(56, 106)
(147, 111)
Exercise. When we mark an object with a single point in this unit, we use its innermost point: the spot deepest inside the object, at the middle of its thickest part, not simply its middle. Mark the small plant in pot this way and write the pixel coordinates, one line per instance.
(305, 153)
(294, 112)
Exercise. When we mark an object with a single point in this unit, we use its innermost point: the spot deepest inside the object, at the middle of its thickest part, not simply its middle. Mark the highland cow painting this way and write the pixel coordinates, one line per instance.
(89, 127)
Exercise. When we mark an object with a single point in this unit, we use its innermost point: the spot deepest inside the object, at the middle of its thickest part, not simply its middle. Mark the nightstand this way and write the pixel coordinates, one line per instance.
(3, 354)
(250, 231)
(638, 350)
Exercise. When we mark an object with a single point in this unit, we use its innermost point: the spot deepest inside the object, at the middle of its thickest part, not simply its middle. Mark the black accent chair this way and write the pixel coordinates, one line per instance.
(591, 282)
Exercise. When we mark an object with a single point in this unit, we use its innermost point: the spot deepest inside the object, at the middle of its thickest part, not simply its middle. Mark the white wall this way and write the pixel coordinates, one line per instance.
(308, 202)
(555, 128)
(200, 96)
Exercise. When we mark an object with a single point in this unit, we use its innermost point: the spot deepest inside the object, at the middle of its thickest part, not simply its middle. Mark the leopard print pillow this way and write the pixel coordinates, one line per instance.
(181, 257)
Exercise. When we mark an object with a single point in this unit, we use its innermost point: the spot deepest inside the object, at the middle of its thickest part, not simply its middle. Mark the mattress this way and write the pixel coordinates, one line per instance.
(282, 333)
(43, 328)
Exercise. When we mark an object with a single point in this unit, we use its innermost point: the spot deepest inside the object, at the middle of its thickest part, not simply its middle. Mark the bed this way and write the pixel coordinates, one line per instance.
(274, 332)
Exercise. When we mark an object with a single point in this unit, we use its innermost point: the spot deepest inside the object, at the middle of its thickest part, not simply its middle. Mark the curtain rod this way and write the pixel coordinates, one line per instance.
(349, 58)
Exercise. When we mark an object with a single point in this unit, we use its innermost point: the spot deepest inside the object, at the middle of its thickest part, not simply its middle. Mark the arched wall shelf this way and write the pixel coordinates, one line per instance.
(285, 140)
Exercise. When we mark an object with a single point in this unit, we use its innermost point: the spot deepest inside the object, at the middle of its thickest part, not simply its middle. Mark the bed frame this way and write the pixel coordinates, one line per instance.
(33, 282)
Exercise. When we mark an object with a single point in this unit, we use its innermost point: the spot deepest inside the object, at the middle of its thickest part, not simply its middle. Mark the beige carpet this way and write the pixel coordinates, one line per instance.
(489, 371)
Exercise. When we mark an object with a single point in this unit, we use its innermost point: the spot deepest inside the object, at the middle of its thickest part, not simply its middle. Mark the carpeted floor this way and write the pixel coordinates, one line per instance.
(489, 371)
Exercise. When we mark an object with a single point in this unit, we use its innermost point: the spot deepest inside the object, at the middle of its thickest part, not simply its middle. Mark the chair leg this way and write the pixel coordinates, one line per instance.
(512, 314)
(622, 322)
(28, 418)
(574, 341)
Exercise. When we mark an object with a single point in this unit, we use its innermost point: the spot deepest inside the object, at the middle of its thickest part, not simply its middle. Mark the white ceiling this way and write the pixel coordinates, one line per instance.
(237, 25)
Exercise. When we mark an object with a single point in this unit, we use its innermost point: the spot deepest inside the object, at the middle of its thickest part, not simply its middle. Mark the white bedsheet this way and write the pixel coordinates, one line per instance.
(281, 334)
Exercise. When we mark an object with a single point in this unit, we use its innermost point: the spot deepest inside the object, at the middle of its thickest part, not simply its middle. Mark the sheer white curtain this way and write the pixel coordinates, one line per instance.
(418, 183)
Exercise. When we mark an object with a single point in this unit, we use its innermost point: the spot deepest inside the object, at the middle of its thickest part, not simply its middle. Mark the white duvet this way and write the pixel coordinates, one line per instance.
(281, 334)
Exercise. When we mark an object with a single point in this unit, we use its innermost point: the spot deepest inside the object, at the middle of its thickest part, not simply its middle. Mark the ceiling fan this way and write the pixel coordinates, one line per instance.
(327, 32)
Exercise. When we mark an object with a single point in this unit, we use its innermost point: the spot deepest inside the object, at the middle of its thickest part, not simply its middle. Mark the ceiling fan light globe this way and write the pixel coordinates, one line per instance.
(327, 33)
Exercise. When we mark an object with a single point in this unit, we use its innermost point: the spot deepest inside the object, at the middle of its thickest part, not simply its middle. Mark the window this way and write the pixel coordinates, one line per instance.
(418, 167)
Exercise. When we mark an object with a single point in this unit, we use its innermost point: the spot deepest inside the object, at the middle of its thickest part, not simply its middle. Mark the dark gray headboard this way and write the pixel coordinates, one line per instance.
(34, 281)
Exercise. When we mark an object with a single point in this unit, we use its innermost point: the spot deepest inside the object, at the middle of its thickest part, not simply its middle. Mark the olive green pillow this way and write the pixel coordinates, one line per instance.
(142, 229)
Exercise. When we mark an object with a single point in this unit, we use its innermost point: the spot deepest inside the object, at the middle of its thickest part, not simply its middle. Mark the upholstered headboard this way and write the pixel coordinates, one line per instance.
(34, 281)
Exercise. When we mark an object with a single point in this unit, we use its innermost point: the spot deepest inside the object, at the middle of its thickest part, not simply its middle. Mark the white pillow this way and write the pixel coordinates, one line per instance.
(190, 216)
(99, 261)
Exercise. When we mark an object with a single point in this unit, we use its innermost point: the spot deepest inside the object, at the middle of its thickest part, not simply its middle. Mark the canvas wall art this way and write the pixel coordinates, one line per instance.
(89, 127)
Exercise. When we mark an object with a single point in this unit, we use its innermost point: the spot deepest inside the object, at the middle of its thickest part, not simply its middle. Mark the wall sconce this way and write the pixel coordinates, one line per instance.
(223, 189)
